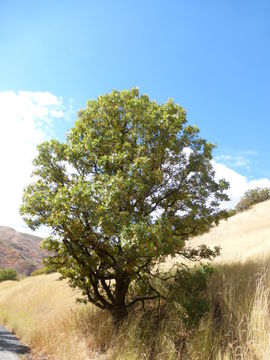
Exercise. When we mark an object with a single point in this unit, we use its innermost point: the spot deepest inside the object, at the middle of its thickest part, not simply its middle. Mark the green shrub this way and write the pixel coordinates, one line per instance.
(231, 212)
(188, 293)
(42, 271)
(251, 197)
(8, 274)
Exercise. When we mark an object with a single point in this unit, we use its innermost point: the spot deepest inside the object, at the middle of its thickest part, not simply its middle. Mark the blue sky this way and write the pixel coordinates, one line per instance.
(212, 57)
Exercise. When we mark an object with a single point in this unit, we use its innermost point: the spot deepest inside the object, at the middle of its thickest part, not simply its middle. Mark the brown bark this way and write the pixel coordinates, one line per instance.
(119, 310)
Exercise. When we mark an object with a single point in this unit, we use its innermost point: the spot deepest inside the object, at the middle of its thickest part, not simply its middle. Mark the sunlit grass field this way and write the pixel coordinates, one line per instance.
(44, 313)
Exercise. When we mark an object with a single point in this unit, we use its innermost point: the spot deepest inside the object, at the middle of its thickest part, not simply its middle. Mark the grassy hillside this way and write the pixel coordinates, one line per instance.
(44, 313)
(245, 235)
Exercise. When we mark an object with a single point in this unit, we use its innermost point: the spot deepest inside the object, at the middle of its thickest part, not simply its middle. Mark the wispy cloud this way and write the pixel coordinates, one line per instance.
(234, 161)
(26, 119)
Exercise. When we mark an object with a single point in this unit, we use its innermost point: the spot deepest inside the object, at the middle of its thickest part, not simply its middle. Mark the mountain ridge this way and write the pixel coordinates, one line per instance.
(20, 251)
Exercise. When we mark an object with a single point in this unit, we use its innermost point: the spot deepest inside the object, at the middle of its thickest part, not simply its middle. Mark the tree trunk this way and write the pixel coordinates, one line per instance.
(119, 310)
(118, 314)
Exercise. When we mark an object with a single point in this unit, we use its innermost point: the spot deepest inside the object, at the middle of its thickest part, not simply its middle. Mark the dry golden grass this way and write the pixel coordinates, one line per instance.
(43, 311)
(243, 236)
(237, 327)
(44, 314)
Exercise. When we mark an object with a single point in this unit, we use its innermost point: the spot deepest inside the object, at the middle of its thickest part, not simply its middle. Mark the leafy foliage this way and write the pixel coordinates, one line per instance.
(43, 271)
(8, 274)
(231, 212)
(187, 292)
(131, 183)
(252, 197)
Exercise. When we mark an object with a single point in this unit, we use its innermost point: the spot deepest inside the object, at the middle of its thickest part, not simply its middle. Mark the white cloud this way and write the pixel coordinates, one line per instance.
(239, 184)
(26, 119)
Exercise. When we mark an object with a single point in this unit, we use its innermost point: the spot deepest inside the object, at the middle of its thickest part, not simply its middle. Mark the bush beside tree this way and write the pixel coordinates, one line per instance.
(187, 293)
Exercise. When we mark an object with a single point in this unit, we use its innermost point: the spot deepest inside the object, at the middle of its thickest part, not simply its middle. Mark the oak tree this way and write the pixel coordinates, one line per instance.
(132, 182)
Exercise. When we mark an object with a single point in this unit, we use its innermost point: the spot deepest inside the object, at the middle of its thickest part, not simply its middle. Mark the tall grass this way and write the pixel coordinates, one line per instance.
(236, 324)
(43, 312)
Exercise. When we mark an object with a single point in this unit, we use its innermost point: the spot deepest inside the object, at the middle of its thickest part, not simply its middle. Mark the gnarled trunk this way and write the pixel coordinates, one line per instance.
(119, 309)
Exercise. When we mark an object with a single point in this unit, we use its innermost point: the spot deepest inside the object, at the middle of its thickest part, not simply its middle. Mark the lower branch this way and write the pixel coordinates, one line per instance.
(143, 298)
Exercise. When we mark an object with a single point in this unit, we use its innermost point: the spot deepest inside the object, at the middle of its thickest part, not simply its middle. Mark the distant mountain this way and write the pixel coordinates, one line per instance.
(19, 251)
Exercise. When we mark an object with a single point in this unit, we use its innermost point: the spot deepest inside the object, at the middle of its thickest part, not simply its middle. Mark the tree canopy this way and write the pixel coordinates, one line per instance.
(132, 182)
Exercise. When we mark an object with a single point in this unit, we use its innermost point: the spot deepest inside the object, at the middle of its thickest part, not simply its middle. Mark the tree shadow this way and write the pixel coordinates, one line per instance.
(9, 342)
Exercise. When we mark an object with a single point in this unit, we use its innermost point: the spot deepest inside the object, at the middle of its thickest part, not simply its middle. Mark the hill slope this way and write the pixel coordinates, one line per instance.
(242, 236)
(37, 307)
(19, 251)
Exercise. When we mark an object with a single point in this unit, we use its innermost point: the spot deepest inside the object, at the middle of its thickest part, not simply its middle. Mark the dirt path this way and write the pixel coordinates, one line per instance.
(10, 347)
